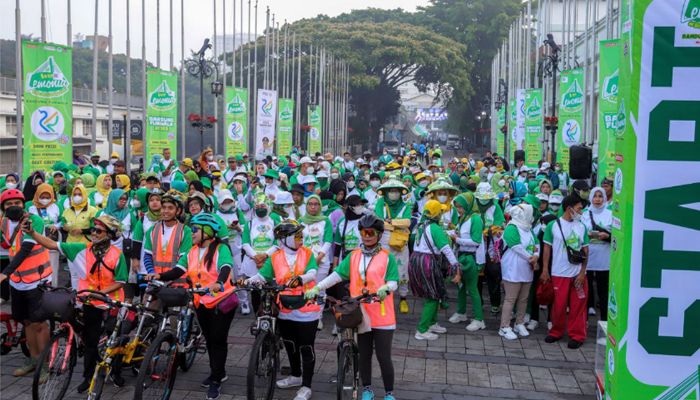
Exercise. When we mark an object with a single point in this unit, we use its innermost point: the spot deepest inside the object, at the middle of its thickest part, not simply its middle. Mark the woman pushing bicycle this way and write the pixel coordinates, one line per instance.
(294, 266)
(99, 266)
(208, 265)
(373, 269)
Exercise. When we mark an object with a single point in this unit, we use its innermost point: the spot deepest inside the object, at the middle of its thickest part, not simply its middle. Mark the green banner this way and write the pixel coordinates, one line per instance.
(500, 137)
(236, 120)
(571, 101)
(608, 81)
(161, 113)
(285, 126)
(512, 128)
(314, 142)
(48, 106)
(534, 127)
(653, 346)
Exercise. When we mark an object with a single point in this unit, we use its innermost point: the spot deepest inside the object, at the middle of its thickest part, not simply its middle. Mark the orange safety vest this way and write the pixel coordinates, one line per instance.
(103, 276)
(380, 314)
(283, 273)
(35, 267)
(203, 276)
(165, 259)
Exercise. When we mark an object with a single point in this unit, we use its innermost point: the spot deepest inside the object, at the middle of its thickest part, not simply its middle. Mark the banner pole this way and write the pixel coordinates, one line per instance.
(183, 110)
(144, 98)
(18, 85)
(69, 25)
(110, 85)
(127, 124)
(93, 135)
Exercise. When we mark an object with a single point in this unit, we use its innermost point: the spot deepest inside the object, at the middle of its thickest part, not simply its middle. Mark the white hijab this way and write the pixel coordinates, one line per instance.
(593, 208)
(521, 216)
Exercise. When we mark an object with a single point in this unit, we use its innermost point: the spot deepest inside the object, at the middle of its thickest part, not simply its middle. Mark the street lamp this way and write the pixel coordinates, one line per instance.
(502, 101)
(550, 67)
(199, 67)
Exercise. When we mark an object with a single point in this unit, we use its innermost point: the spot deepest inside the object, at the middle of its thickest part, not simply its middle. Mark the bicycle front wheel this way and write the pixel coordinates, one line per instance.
(347, 386)
(157, 373)
(98, 383)
(262, 367)
(55, 368)
(193, 342)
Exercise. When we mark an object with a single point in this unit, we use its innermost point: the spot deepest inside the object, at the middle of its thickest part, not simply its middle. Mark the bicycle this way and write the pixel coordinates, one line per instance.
(171, 348)
(12, 335)
(348, 317)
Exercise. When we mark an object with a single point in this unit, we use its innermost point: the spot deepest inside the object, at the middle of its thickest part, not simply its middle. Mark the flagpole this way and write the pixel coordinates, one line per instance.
(69, 25)
(255, 81)
(43, 21)
(110, 84)
(233, 49)
(172, 61)
(216, 103)
(93, 136)
(285, 69)
(277, 55)
(267, 44)
(143, 80)
(240, 69)
(18, 84)
(158, 34)
(127, 139)
(311, 80)
(247, 86)
(183, 127)
(298, 108)
(271, 54)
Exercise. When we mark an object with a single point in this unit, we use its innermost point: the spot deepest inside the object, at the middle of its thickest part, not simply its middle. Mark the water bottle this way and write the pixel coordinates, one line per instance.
(580, 292)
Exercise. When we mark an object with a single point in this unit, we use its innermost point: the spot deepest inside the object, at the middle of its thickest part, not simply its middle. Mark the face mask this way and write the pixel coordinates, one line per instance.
(290, 242)
(442, 199)
(289, 210)
(483, 202)
(374, 183)
(350, 184)
(261, 212)
(492, 169)
(113, 160)
(226, 207)
(135, 203)
(382, 169)
(10, 185)
(310, 170)
(555, 207)
(334, 175)
(44, 202)
(502, 183)
(576, 216)
(522, 179)
(14, 213)
(393, 196)
(423, 184)
(359, 210)
(210, 158)
(77, 199)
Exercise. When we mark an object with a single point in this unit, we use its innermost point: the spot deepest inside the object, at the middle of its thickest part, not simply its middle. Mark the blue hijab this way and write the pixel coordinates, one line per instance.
(519, 192)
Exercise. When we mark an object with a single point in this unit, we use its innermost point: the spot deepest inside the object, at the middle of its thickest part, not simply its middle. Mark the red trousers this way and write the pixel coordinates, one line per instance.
(565, 296)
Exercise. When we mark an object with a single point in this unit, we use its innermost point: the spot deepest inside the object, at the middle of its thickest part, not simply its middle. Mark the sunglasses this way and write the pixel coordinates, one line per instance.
(299, 235)
(194, 229)
(368, 233)
(97, 230)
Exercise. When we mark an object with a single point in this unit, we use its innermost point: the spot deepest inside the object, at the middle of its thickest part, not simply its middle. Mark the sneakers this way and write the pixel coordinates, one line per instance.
(507, 333)
(551, 339)
(214, 391)
(304, 393)
(526, 318)
(320, 325)
(245, 308)
(591, 311)
(436, 328)
(289, 382)
(457, 318)
(532, 325)
(389, 396)
(403, 306)
(26, 369)
(334, 332)
(84, 386)
(601, 341)
(574, 344)
(521, 330)
(205, 383)
(367, 394)
(549, 325)
(425, 336)
(117, 380)
(475, 325)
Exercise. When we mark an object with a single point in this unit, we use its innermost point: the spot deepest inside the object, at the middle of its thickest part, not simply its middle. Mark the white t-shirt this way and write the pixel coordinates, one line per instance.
(576, 236)
(598, 251)
(166, 163)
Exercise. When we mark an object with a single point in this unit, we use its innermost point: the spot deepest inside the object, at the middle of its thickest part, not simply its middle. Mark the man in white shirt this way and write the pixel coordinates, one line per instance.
(169, 165)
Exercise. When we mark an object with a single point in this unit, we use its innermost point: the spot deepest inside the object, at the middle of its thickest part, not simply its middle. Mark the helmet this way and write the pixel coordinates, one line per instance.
(171, 197)
(112, 224)
(370, 221)
(11, 194)
(286, 228)
(201, 197)
(206, 219)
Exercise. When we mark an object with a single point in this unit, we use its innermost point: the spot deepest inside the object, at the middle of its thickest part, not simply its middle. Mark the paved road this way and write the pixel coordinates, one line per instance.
(459, 365)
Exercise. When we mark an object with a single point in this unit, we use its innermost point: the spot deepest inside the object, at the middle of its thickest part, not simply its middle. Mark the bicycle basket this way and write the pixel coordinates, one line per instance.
(172, 297)
(348, 315)
(292, 302)
(57, 305)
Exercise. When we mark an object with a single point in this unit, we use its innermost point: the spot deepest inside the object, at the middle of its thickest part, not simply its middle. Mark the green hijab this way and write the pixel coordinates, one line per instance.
(191, 176)
(467, 202)
(310, 219)
(141, 194)
(112, 207)
(89, 182)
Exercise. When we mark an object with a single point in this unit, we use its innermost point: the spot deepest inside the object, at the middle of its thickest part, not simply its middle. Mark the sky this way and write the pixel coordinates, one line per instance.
(199, 20)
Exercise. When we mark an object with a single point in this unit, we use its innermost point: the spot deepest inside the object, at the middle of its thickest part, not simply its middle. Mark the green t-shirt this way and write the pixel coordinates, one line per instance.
(76, 255)
(224, 259)
(268, 272)
(391, 274)
(185, 243)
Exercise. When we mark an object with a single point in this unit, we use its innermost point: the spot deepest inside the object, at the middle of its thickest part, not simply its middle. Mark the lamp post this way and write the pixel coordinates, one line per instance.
(550, 67)
(502, 101)
(199, 67)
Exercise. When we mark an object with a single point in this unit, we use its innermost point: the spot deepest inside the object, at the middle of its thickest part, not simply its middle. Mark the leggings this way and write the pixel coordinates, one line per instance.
(600, 289)
(215, 326)
(379, 339)
(299, 338)
(96, 322)
(469, 285)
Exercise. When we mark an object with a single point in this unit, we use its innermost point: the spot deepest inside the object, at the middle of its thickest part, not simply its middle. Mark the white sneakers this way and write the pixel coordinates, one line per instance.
(549, 325)
(436, 328)
(507, 333)
(475, 325)
(532, 325)
(245, 308)
(457, 318)
(320, 325)
(303, 394)
(521, 330)
(425, 336)
(526, 318)
(290, 382)
(591, 311)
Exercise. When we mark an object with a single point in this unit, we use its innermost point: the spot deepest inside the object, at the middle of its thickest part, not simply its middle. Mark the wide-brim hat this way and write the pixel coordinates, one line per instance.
(441, 184)
(392, 184)
(283, 198)
(484, 192)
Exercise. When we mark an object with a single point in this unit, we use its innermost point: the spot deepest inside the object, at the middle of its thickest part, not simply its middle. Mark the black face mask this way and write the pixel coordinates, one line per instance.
(471, 187)
(261, 212)
(14, 213)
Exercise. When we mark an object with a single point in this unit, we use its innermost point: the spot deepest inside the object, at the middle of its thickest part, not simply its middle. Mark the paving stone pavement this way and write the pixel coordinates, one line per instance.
(459, 365)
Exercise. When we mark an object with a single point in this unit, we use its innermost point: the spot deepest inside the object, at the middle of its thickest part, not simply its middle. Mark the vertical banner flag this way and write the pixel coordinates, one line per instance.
(500, 137)
(236, 120)
(285, 123)
(653, 345)
(534, 127)
(570, 130)
(519, 137)
(608, 81)
(265, 123)
(48, 106)
(314, 144)
(512, 128)
(161, 113)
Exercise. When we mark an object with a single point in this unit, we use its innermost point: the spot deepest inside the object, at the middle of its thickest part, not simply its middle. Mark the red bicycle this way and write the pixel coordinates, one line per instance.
(12, 335)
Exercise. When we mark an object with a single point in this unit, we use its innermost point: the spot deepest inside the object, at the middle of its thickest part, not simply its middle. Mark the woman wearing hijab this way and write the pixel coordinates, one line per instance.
(347, 233)
(103, 186)
(598, 221)
(44, 206)
(494, 221)
(77, 219)
(517, 266)
(468, 237)
(516, 194)
(34, 180)
(117, 207)
(124, 183)
(11, 182)
(89, 181)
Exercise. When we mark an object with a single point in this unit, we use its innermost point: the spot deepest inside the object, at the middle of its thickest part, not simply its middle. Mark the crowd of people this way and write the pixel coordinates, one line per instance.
(395, 224)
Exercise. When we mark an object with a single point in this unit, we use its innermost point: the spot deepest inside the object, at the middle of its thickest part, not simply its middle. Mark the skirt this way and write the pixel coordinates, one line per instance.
(426, 277)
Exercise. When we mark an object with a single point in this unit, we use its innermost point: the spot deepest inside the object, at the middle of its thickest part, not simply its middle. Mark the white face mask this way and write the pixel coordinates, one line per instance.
(555, 207)
(210, 158)
(393, 196)
(374, 183)
(10, 185)
(350, 184)
(226, 207)
(492, 169)
(423, 184)
(442, 199)
(521, 178)
(502, 183)
(382, 168)
(113, 160)
(135, 203)
(77, 199)
(334, 175)
(359, 210)
(45, 202)
(576, 216)
(290, 242)
(310, 170)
